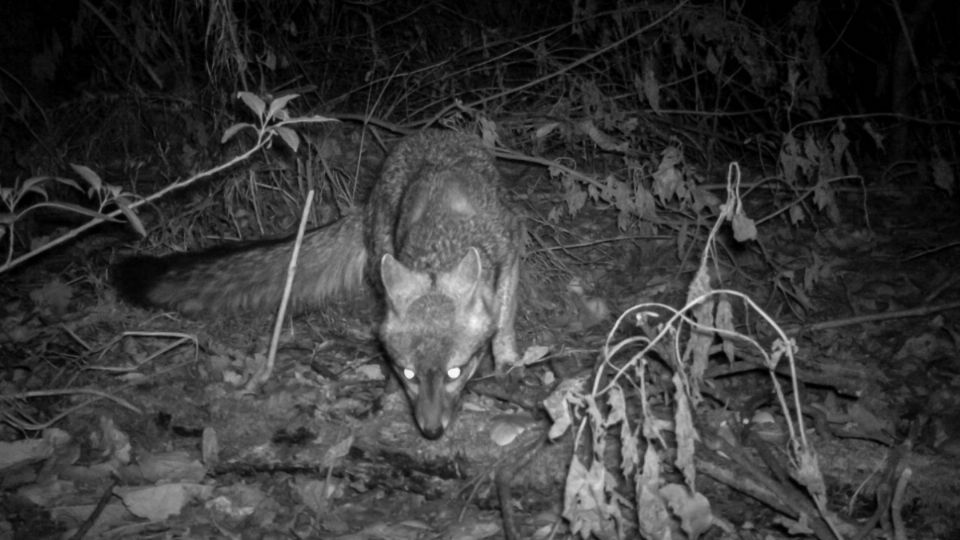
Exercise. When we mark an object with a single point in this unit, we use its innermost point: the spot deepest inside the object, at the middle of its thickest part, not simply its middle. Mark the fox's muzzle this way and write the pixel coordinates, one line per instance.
(435, 404)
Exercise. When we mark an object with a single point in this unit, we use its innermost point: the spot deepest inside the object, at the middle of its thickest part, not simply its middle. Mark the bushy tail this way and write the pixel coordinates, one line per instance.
(250, 276)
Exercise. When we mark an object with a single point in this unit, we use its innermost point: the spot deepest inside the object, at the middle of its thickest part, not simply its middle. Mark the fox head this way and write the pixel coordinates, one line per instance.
(436, 330)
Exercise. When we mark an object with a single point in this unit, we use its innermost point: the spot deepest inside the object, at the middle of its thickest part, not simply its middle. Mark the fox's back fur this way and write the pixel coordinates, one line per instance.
(438, 193)
(434, 240)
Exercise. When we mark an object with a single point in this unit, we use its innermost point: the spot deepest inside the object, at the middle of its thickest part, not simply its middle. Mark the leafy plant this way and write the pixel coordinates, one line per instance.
(20, 200)
(599, 490)
(273, 121)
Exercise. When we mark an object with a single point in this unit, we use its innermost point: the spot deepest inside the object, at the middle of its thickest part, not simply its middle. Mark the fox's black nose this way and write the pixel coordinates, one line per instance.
(433, 433)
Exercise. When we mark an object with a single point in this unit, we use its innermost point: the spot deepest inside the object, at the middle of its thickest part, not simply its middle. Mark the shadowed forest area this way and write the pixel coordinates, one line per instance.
(263, 264)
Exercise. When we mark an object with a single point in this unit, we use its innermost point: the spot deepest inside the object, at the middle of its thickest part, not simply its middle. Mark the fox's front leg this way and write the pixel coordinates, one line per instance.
(505, 353)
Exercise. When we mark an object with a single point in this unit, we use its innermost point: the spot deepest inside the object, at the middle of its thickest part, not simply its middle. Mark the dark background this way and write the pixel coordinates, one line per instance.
(768, 66)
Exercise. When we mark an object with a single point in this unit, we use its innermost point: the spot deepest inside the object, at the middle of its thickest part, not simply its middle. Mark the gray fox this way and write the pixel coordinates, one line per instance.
(434, 240)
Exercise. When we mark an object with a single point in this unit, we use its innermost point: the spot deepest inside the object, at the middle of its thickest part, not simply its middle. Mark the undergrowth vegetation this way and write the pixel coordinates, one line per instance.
(192, 122)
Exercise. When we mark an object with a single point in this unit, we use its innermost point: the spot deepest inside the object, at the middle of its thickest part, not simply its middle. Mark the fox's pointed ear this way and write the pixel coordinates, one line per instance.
(462, 282)
(401, 284)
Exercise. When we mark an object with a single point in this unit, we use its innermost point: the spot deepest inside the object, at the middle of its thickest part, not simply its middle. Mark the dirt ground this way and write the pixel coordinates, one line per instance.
(142, 426)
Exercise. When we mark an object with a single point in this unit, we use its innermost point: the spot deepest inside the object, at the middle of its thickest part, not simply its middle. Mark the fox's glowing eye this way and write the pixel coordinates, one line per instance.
(453, 373)
(408, 374)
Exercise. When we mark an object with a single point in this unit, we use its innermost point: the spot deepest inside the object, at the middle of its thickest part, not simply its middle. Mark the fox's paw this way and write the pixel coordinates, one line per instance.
(505, 353)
